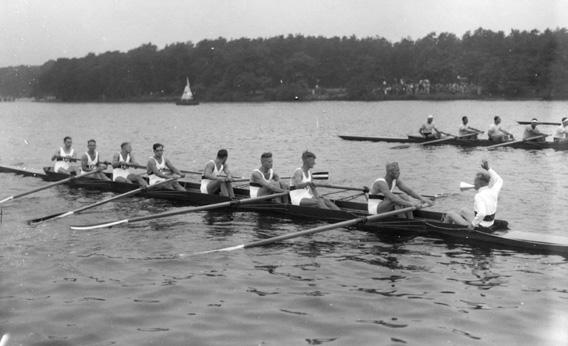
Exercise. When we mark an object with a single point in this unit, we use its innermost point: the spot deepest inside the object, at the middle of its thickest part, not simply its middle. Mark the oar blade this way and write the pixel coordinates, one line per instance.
(45, 218)
(401, 146)
(320, 175)
(98, 225)
(466, 186)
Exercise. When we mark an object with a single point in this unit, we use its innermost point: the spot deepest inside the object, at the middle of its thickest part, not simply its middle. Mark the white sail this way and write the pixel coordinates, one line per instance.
(187, 94)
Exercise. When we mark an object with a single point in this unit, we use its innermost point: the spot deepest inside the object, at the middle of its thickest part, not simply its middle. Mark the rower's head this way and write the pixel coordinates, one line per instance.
(126, 147)
(266, 160)
(309, 159)
(67, 141)
(430, 119)
(481, 179)
(222, 155)
(534, 122)
(392, 169)
(465, 120)
(158, 149)
(497, 120)
(91, 145)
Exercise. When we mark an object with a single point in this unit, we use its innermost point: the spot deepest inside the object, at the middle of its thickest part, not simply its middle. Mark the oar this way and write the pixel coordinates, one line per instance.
(48, 186)
(181, 170)
(180, 211)
(538, 123)
(466, 186)
(78, 210)
(347, 223)
(365, 189)
(513, 142)
(449, 137)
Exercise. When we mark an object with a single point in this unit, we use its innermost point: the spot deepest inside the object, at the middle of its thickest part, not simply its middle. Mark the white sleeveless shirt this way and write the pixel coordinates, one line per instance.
(373, 203)
(161, 166)
(253, 187)
(122, 170)
(205, 182)
(91, 163)
(297, 195)
(64, 162)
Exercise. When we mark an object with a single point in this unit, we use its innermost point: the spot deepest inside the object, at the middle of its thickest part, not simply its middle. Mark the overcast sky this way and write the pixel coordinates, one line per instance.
(34, 31)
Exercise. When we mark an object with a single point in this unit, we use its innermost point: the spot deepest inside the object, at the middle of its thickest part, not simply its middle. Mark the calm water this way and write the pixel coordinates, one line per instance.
(127, 286)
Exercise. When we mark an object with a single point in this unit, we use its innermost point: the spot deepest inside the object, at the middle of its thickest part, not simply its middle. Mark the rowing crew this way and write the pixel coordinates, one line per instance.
(495, 133)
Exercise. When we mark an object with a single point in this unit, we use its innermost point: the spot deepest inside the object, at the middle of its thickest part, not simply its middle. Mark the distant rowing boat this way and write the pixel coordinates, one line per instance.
(461, 142)
(425, 223)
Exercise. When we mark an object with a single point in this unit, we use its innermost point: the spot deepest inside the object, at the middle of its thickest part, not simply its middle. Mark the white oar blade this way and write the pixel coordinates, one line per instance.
(7, 199)
(466, 186)
(101, 225)
(226, 249)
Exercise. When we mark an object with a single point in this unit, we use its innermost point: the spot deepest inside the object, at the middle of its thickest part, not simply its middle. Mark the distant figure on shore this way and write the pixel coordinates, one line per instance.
(532, 131)
(63, 156)
(561, 133)
(496, 133)
(466, 131)
(428, 130)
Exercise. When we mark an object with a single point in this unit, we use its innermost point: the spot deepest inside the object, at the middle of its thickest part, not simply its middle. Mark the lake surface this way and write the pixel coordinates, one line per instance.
(126, 285)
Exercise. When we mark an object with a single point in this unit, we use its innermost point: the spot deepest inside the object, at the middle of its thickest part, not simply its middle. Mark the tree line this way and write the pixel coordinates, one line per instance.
(480, 64)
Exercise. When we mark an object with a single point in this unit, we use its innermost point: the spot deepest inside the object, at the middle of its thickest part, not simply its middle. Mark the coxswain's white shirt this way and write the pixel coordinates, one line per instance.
(485, 201)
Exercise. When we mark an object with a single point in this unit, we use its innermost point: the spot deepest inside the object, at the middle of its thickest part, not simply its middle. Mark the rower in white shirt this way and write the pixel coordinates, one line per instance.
(488, 185)
(264, 181)
(561, 132)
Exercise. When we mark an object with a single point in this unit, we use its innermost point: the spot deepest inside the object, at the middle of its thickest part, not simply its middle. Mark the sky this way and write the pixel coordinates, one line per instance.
(35, 31)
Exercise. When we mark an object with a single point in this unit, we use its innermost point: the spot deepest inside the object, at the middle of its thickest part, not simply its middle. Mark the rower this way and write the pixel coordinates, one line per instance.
(156, 169)
(561, 133)
(212, 182)
(302, 190)
(496, 133)
(63, 156)
(90, 161)
(428, 130)
(467, 131)
(532, 131)
(488, 185)
(382, 198)
(263, 181)
(120, 163)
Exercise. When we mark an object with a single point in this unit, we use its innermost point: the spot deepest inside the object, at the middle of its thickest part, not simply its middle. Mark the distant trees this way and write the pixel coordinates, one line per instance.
(482, 63)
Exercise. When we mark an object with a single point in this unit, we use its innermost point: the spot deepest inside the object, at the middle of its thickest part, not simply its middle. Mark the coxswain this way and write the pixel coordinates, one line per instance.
(488, 185)
(466, 131)
(90, 161)
(303, 191)
(212, 182)
(532, 131)
(121, 162)
(63, 156)
(496, 133)
(428, 129)
(561, 132)
(382, 197)
(157, 167)
(264, 181)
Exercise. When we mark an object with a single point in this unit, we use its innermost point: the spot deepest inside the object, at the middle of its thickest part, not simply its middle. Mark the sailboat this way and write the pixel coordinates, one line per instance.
(187, 98)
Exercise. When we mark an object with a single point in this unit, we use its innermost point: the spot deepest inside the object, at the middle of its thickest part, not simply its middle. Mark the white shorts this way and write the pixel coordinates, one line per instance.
(373, 205)
(296, 196)
(204, 184)
(120, 173)
(154, 179)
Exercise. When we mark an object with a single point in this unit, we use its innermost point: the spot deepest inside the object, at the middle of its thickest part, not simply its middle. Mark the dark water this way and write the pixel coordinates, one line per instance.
(127, 285)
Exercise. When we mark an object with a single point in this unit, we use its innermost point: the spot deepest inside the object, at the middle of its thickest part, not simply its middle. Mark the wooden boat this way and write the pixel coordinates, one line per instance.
(462, 142)
(425, 223)
(187, 98)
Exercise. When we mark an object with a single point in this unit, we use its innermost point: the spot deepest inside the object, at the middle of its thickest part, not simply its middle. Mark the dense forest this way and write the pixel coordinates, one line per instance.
(480, 64)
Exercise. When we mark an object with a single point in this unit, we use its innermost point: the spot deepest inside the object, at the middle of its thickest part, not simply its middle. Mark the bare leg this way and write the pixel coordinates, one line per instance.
(136, 178)
(463, 218)
(227, 189)
(310, 202)
(329, 204)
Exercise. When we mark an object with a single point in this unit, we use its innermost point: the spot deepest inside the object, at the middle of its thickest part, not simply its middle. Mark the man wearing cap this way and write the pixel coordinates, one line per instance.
(382, 198)
(488, 185)
(302, 190)
(531, 131)
(561, 133)
(496, 133)
(428, 130)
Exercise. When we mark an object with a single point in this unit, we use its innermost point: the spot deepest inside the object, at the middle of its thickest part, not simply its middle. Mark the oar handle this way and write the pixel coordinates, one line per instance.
(362, 189)
(517, 141)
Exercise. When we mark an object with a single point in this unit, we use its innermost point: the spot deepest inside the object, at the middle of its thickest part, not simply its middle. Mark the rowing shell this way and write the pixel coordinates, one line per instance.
(425, 223)
(462, 142)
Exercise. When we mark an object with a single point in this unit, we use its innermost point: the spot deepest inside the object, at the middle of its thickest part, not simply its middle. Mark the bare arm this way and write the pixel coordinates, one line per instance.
(174, 169)
(115, 161)
(382, 187)
(403, 187)
(154, 169)
(258, 179)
